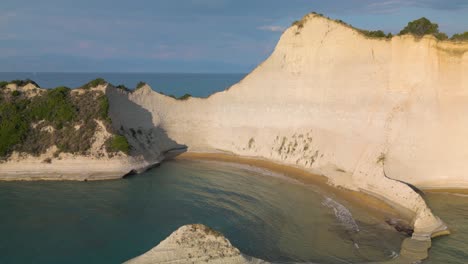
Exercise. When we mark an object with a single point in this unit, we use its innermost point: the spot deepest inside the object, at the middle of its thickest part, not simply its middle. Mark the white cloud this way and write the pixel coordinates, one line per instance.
(272, 28)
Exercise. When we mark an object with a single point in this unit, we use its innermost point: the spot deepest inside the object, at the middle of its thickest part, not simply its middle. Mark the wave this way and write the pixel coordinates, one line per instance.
(342, 214)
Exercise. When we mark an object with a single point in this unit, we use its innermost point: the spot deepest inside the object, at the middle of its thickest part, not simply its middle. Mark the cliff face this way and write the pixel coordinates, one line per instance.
(367, 113)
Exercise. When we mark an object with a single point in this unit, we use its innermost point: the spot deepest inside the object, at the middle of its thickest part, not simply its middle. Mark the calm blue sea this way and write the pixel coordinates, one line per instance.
(178, 84)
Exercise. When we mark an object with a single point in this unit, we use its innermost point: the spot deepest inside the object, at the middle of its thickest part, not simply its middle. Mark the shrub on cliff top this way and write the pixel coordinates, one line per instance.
(298, 23)
(24, 82)
(140, 85)
(460, 37)
(122, 87)
(184, 97)
(421, 27)
(376, 34)
(94, 83)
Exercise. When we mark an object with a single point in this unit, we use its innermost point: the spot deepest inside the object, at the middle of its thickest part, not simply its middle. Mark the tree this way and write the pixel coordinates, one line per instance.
(421, 27)
(460, 37)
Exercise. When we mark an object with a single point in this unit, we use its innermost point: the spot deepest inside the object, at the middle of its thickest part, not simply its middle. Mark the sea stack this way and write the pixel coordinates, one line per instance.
(194, 243)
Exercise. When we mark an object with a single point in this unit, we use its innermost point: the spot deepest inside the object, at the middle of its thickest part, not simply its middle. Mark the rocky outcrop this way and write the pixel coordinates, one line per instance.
(80, 147)
(194, 244)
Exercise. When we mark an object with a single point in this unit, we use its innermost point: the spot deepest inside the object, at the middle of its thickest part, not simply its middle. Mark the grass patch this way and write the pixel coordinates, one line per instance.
(119, 143)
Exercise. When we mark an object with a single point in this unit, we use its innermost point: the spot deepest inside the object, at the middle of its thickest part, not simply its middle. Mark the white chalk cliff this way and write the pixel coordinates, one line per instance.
(367, 113)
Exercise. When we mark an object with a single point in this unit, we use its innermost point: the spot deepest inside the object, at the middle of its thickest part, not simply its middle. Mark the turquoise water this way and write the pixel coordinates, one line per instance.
(263, 214)
(178, 84)
(453, 209)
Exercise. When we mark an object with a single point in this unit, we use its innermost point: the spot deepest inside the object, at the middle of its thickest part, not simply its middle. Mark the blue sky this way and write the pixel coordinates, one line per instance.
(182, 35)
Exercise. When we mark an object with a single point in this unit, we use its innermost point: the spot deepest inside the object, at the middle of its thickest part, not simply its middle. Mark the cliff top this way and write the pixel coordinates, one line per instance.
(419, 28)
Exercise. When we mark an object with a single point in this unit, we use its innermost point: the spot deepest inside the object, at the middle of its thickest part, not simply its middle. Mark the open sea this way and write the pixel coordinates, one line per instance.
(265, 214)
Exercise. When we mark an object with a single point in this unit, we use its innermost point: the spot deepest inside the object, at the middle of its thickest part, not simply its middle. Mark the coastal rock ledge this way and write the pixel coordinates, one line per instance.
(194, 243)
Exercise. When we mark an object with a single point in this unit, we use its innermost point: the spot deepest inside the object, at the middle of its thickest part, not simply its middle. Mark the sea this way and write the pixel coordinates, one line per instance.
(266, 215)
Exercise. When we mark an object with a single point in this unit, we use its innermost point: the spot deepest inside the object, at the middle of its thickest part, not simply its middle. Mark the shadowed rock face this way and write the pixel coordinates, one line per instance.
(194, 244)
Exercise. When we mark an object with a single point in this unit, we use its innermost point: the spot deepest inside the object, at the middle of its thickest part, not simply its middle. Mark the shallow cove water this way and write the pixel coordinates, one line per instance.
(264, 214)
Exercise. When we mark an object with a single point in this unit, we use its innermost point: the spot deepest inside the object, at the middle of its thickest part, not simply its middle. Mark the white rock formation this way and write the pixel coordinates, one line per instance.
(194, 244)
(329, 100)
(97, 164)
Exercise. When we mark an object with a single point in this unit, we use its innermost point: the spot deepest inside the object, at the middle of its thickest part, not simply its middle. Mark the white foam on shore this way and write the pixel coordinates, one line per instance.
(342, 214)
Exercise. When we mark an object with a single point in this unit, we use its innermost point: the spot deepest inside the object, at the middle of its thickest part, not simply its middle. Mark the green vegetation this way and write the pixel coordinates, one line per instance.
(460, 37)
(122, 87)
(13, 125)
(119, 143)
(54, 117)
(94, 83)
(55, 106)
(16, 93)
(184, 97)
(423, 26)
(420, 27)
(376, 34)
(19, 83)
(103, 107)
(140, 85)
(299, 23)
(24, 82)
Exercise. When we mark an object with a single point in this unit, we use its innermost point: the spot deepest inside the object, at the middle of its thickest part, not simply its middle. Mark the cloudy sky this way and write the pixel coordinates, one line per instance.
(182, 35)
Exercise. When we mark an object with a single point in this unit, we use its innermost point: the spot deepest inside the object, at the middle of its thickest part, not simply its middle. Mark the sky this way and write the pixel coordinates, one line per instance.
(183, 35)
